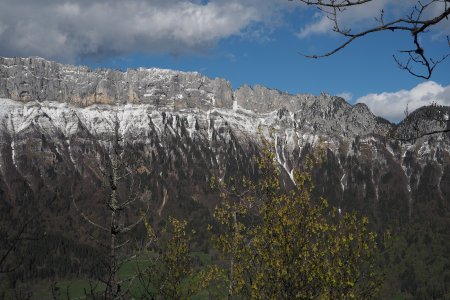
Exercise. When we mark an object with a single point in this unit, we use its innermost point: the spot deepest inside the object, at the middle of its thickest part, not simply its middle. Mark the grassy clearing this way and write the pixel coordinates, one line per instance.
(78, 288)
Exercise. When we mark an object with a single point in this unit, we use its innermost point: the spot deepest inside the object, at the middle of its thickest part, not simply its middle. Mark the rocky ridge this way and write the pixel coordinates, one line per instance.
(179, 128)
(35, 79)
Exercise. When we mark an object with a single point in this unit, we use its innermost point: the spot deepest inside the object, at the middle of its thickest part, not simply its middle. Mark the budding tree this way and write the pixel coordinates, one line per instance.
(280, 244)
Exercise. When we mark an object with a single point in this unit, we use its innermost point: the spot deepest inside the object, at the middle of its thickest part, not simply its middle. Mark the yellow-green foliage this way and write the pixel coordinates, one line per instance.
(283, 245)
(170, 273)
(177, 260)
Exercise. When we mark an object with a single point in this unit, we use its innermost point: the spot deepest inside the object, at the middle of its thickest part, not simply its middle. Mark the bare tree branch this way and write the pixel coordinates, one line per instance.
(334, 3)
(416, 23)
(412, 139)
(117, 176)
(87, 219)
(429, 121)
(138, 221)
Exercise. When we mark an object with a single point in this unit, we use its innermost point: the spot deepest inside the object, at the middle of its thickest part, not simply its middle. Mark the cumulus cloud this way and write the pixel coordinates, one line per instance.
(321, 25)
(392, 105)
(66, 30)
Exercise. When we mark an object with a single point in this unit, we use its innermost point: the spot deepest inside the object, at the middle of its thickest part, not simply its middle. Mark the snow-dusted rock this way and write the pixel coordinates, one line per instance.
(182, 127)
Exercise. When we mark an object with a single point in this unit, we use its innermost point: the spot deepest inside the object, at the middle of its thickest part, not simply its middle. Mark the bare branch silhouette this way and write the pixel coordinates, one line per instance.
(117, 175)
(421, 17)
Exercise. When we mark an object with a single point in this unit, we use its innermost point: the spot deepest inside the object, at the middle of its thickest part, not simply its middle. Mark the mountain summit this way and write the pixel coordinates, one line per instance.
(182, 122)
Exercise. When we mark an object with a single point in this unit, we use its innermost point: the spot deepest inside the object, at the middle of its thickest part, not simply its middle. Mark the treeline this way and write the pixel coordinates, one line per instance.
(417, 262)
(264, 240)
(56, 256)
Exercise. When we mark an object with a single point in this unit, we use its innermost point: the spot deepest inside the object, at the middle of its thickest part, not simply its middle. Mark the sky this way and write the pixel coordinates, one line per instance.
(244, 41)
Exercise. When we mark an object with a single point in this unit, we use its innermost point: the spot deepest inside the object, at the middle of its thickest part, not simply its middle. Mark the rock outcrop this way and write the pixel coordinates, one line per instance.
(178, 128)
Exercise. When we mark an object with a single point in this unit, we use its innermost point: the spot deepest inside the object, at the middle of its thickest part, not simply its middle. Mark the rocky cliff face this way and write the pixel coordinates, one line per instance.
(35, 79)
(178, 129)
(41, 80)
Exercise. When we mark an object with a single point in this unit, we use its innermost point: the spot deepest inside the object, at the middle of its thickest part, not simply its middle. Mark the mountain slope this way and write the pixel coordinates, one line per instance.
(179, 129)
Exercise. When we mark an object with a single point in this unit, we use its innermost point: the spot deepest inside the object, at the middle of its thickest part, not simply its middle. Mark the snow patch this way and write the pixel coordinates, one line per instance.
(283, 163)
(235, 105)
(342, 182)
(13, 154)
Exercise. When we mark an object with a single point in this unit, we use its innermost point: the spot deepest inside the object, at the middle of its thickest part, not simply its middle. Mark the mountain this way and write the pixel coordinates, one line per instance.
(179, 129)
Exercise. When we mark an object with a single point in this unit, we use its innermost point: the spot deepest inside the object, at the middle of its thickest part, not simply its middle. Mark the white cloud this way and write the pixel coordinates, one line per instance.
(392, 105)
(66, 30)
(346, 95)
(321, 26)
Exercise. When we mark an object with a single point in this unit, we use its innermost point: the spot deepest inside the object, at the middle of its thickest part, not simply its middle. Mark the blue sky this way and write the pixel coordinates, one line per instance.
(364, 67)
(246, 42)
